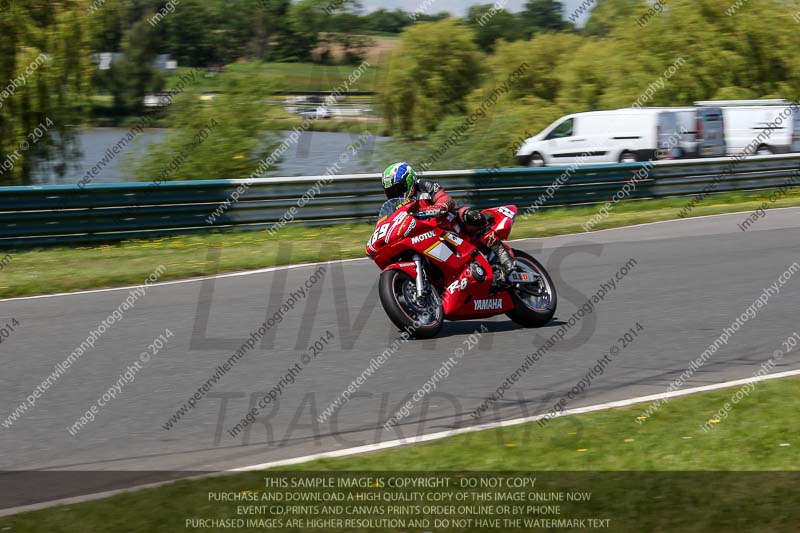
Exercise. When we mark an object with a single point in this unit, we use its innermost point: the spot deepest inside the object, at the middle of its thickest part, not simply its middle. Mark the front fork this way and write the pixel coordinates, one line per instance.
(420, 278)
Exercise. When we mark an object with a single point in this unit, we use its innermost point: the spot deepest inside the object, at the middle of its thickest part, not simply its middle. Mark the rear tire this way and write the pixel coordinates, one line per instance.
(396, 289)
(524, 313)
(763, 150)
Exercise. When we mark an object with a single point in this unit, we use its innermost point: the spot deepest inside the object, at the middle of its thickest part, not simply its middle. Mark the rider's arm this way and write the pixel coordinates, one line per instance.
(434, 193)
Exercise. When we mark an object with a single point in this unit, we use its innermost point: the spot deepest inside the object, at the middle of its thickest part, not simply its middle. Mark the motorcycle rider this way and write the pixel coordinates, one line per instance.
(401, 181)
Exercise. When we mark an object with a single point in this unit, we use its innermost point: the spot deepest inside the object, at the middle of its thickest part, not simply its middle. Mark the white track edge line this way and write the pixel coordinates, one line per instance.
(685, 219)
(305, 265)
(187, 280)
(403, 442)
(513, 422)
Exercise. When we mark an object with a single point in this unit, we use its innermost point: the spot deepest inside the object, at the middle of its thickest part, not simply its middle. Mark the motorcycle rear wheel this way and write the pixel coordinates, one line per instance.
(397, 292)
(530, 311)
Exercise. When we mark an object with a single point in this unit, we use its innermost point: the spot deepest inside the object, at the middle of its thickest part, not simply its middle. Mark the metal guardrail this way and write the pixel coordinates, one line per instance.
(60, 214)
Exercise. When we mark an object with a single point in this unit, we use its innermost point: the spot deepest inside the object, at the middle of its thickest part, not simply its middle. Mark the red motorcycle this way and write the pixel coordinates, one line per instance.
(432, 271)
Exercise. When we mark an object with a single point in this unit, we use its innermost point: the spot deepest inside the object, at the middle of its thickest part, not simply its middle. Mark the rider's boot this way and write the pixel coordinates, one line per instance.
(504, 259)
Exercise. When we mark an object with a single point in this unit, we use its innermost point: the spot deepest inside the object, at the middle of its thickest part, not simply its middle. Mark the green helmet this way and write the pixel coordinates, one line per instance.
(399, 180)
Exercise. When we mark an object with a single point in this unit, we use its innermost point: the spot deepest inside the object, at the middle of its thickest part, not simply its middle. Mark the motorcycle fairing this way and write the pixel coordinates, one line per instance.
(463, 296)
(460, 295)
(504, 217)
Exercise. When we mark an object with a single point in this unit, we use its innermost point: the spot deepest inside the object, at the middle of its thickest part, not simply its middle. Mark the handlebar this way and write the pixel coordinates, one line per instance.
(427, 214)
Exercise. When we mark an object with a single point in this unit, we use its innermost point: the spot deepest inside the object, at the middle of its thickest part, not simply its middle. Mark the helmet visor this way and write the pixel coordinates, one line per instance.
(396, 191)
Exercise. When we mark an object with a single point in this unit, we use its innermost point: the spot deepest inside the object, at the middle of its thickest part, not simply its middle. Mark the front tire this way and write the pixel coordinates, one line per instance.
(628, 157)
(532, 311)
(397, 291)
(536, 160)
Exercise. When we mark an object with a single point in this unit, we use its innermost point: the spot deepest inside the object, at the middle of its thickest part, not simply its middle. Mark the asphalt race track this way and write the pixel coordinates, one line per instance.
(691, 279)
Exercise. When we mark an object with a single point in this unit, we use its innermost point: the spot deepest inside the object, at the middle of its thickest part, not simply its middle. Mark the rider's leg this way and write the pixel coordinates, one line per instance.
(504, 259)
(476, 222)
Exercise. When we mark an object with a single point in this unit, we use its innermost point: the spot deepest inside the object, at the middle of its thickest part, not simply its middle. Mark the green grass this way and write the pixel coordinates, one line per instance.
(315, 77)
(50, 270)
(639, 475)
(297, 77)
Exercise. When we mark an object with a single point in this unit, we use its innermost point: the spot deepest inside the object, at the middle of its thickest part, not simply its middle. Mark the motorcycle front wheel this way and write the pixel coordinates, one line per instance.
(398, 294)
(535, 304)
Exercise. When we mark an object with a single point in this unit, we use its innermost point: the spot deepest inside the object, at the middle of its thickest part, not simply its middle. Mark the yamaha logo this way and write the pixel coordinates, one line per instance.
(493, 304)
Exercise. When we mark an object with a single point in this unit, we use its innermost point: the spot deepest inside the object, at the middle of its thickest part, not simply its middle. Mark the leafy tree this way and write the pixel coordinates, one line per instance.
(608, 13)
(109, 24)
(134, 75)
(314, 25)
(546, 53)
(436, 17)
(232, 30)
(491, 25)
(747, 50)
(543, 15)
(492, 141)
(191, 33)
(585, 77)
(273, 38)
(734, 93)
(224, 138)
(387, 21)
(45, 52)
(436, 65)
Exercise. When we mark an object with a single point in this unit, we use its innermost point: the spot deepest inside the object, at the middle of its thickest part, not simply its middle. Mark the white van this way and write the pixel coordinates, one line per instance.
(594, 137)
(619, 136)
(701, 130)
(748, 126)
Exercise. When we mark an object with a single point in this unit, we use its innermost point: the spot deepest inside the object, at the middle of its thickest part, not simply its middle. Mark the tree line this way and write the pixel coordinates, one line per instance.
(70, 34)
(627, 53)
(442, 71)
(209, 32)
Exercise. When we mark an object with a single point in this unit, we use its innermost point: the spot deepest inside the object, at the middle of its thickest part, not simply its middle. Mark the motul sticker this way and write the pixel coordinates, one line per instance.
(493, 304)
(423, 237)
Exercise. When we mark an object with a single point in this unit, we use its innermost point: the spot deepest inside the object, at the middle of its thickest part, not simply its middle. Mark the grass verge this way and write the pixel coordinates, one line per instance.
(51, 270)
(666, 474)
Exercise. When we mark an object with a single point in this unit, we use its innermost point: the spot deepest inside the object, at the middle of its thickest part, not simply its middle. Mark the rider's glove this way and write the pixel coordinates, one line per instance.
(473, 217)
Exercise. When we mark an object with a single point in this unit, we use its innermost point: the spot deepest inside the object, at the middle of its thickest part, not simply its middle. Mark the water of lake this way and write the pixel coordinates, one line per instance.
(310, 156)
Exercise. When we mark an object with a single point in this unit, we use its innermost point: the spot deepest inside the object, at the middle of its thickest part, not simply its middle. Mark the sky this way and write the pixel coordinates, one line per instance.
(459, 7)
